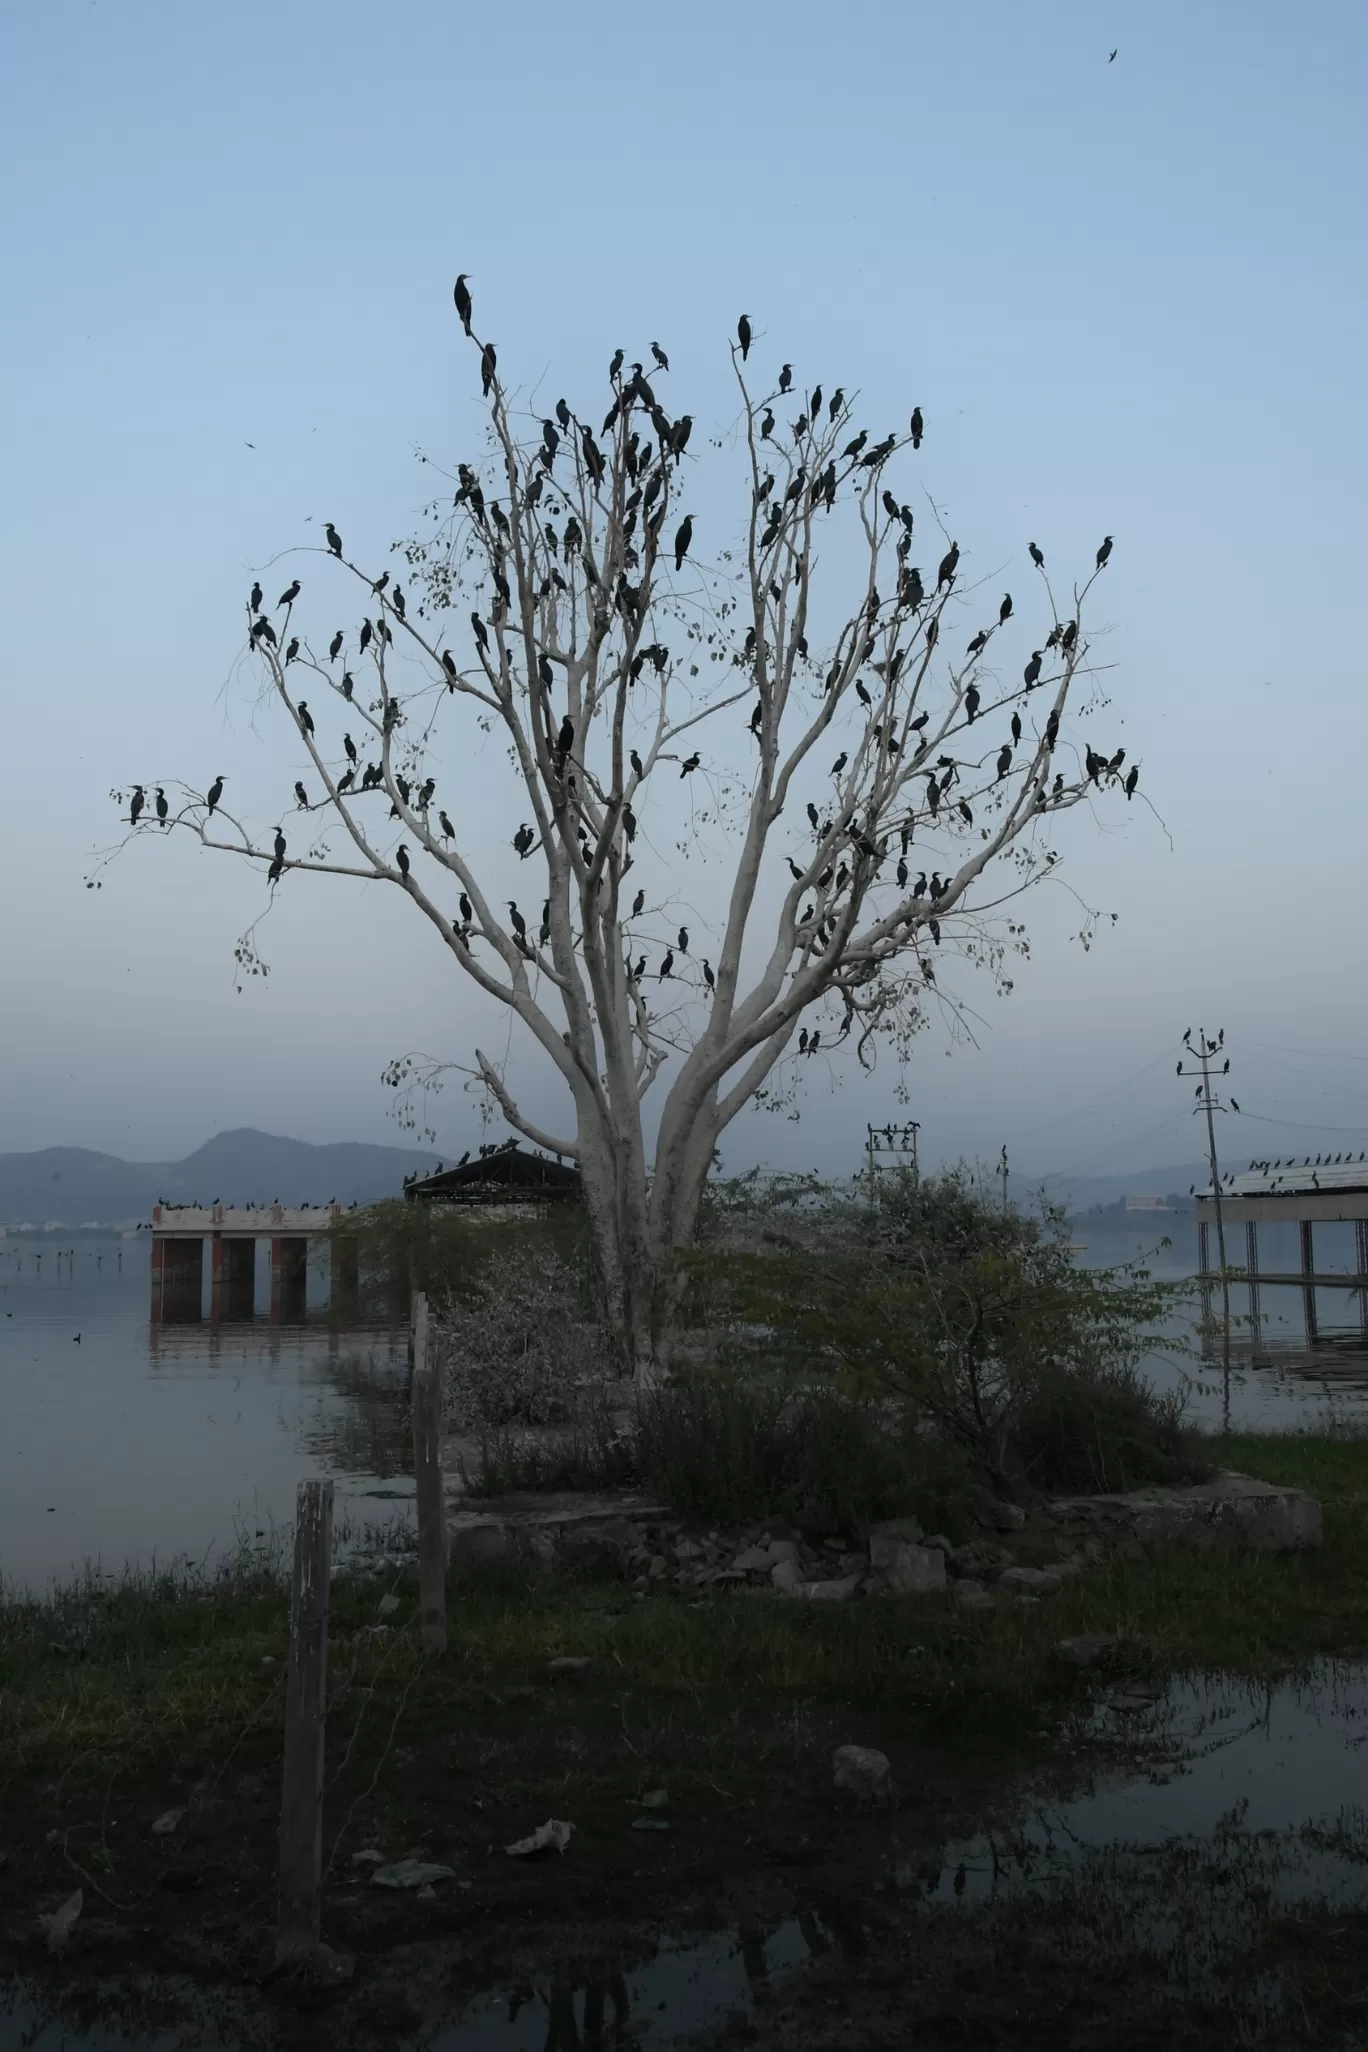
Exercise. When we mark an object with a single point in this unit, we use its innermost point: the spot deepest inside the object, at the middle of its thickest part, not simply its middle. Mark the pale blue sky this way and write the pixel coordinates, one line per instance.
(1129, 297)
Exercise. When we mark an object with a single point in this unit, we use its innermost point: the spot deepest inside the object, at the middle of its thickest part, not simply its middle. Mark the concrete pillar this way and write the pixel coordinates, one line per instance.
(1308, 1266)
(1361, 1264)
(232, 1278)
(345, 1278)
(178, 1279)
(289, 1271)
(1252, 1271)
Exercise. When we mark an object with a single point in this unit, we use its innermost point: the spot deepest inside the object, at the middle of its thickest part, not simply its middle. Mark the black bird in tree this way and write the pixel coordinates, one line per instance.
(565, 741)
(616, 365)
(136, 804)
(978, 644)
(276, 870)
(689, 764)
(335, 646)
(1005, 610)
(519, 924)
(1016, 728)
(288, 597)
(667, 965)
(1105, 551)
(1004, 763)
(683, 428)
(381, 581)
(659, 354)
(254, 602)
(448, 830)
(461, 295)
(364, 639)
(640, 970)
(467, 914)
(785, 377)
(638, 904)
(302, 795)
(279, 841)
(480, 631)
(683, 540)
(162, 807)
(971, 702)
(916, 425)
(862, 694)
(401, 856)
(708, 976)
(344, 783)
(1131, 781)
(683, 940)
(812, 815)
(215, 792)
(1036, 557)
(948, 564)
(853, 448)
(292, 648)
(397, 601)
(349, 747)
(1069, 636)
(638, 768)
(305, 717)
(262, 630)
(1031, 674)
(489, 363)
(347, 686)
(743, 335)
(767, 425)
(837, 766)
(334, 539)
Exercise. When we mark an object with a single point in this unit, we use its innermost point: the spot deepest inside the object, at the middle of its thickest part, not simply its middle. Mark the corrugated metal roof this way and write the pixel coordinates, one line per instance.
(1295, 1178)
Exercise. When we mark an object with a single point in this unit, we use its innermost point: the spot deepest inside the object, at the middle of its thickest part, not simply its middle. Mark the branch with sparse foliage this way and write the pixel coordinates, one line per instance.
(790, 698)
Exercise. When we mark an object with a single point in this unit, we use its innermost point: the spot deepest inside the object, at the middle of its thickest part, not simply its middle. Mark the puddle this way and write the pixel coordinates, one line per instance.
(1208, 1810)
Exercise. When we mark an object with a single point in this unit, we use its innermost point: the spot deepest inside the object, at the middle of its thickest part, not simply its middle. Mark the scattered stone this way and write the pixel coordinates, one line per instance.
(1087, 1649)
(832, 1592)
(57, 1923)
(411, 1874)
(388, 1604)
(755, 1558)
(650, 1824)
(1230, 1513)
(973, 1595)
(862, 1772)
(368, 1857)
(660, 1568)
(164, 1825)
(781, 1549)
(552, 1836)
(1029, 1581)
(655, 1799)
(568, 1664)
(998, 1515)
(898, 1528)
(940, 1542)
(911, 1570)
(786, 1578)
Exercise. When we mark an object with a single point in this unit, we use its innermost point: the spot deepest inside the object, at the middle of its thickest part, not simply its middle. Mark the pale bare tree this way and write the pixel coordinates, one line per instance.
(559, 601)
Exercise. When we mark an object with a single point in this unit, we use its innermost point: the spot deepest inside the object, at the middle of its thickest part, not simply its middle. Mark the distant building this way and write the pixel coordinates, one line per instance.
(1142, 1203)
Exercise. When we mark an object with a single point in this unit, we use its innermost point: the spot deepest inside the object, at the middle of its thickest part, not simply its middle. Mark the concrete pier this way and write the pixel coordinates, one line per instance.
(179, 1233)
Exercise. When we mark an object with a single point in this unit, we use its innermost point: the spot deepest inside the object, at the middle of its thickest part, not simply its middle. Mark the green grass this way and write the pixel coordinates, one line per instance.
(159, 1661)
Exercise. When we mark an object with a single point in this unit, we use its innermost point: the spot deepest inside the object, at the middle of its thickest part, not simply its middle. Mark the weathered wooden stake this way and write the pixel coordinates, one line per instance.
(427, 1469)
(301, 1801)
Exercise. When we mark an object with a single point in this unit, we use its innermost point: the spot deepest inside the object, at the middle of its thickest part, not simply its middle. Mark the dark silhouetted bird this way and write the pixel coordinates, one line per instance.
(743, 336)
(689, 763)
(401, 856)
(305, 717)
(279, 842)
(667, 965)
(785, 377)
(638, 904)
(1069, 636)
(978, 644)
(1005, 610)
(616, 365)
(334, 539)
(215, 792)
(683, 540)
(254, 602)
(1036, 557)
(565, 740)
(489, 363)
(862, 694)
(461, 295)
(397, 601)
(335, 646)
(288, 597)
(708, 976)
(916, 425)
(971, 702)
(948, 565)
(448, 830)
(162, 807)
(347, 686)
(767, 426)
(1004, 763)
(467, 913)
(136, 804)
(292, 648)
(1031, 674)
(349, 747)
(302, 795)
(364, 638)
(519, 924)
(563, 415)
(853, 448)
(839, 764)
(812, 815)
(1016, 728)
(1105, 551)
(344, 783)
(684, 948)
(276, 870)
(262, 630)
(1131, 781)
(659, 354)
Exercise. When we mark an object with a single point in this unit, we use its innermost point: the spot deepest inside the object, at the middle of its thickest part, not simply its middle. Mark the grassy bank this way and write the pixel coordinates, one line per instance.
(169, 1690)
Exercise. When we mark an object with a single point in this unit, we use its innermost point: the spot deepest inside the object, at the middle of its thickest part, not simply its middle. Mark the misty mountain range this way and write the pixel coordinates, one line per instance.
(74, 1186)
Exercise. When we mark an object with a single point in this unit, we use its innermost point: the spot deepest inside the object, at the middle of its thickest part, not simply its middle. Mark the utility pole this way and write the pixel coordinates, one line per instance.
(1206, 1051)
(1003, 1171)
(896, 1140)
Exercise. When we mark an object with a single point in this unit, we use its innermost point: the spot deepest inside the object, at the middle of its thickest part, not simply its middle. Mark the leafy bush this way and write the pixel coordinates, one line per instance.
(1105, 1429)
(519, 1344)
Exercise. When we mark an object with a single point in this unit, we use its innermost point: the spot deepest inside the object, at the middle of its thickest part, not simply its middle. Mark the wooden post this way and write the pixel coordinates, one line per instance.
(301, 1801)
(1252, 1272)
(427, 1471)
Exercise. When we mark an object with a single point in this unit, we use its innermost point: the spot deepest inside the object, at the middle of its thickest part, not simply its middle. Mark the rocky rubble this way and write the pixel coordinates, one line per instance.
(1011, 1555)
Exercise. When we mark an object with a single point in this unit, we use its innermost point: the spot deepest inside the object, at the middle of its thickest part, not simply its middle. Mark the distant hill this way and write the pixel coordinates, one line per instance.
(75, 1186)
(1087, 1193)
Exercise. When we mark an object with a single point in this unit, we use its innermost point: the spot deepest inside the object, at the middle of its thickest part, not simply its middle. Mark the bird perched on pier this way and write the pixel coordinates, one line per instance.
(334, 539)
(215, 792)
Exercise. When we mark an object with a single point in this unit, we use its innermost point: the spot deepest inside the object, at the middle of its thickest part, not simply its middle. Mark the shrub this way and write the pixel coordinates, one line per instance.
(1105, 1429)
(520, 1344)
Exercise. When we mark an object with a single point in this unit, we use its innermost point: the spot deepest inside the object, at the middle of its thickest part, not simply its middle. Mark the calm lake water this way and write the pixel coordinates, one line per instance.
(141, 1442)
